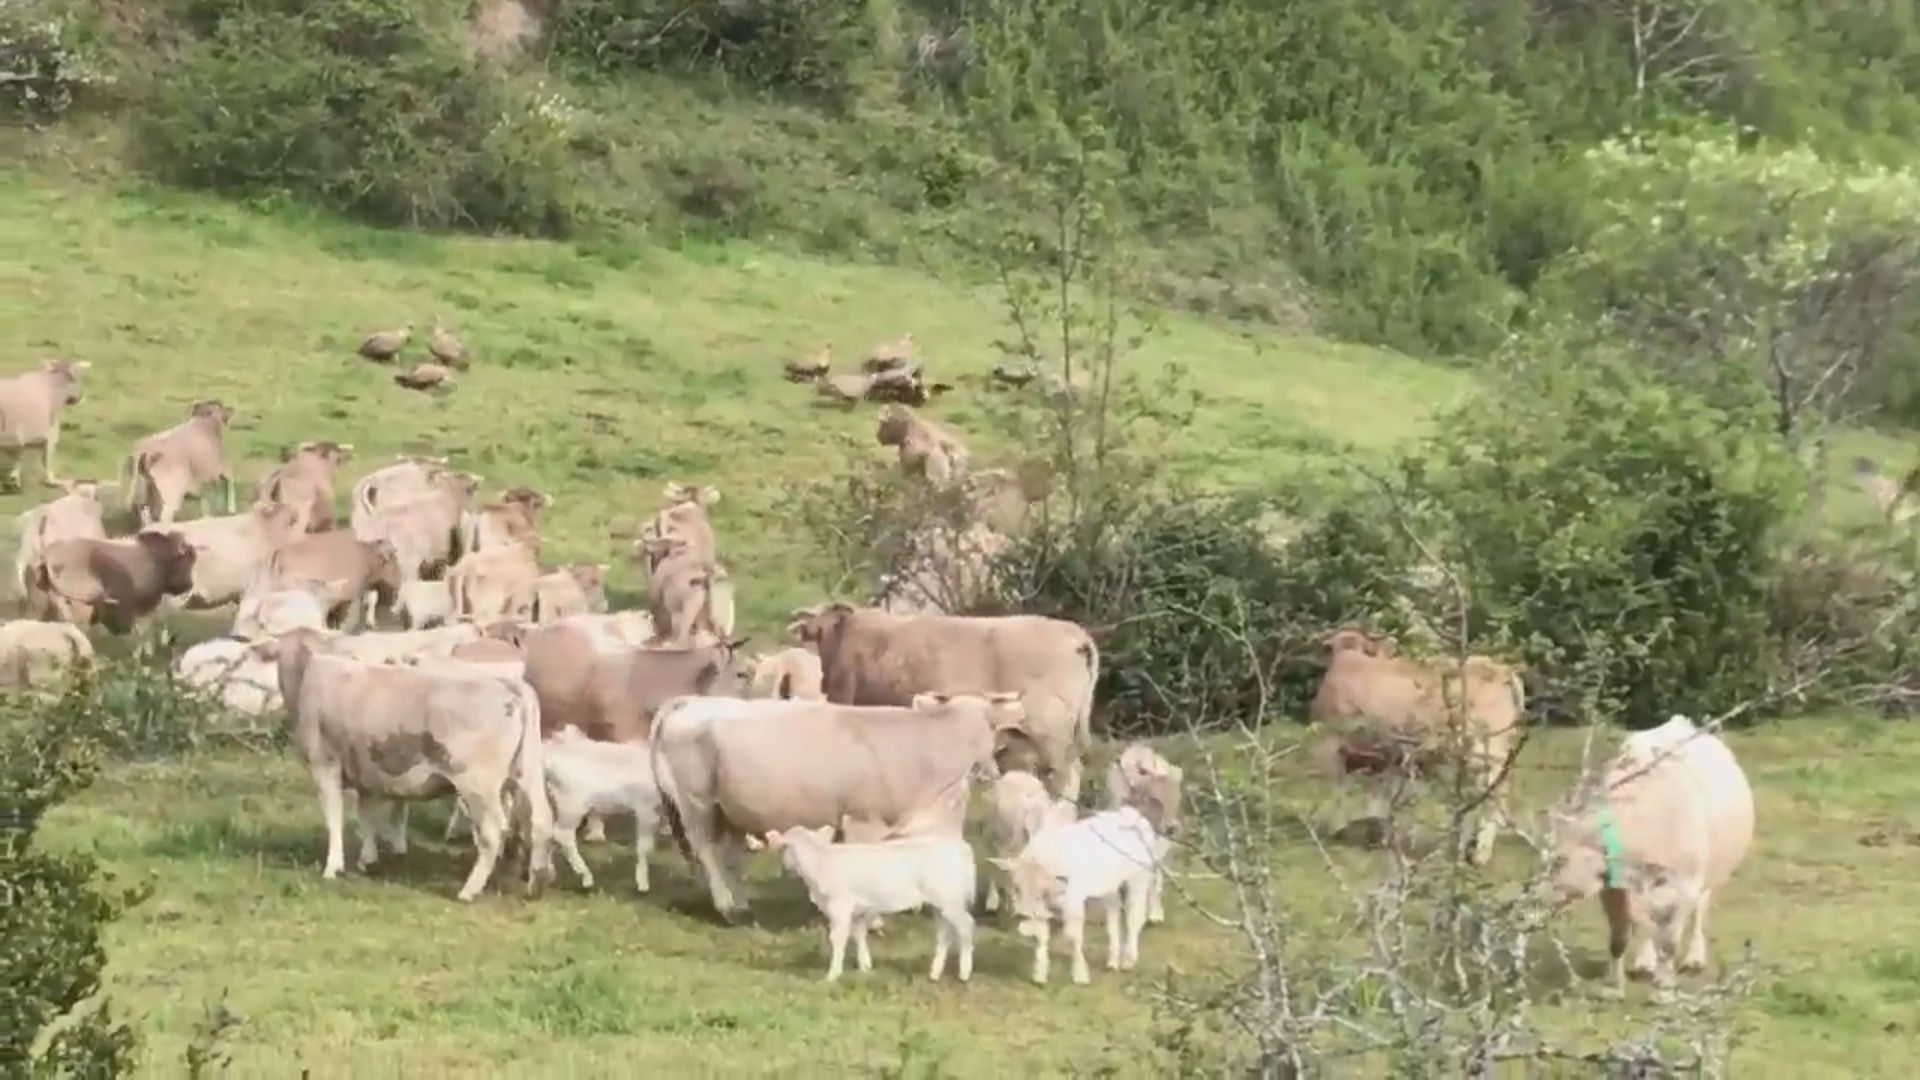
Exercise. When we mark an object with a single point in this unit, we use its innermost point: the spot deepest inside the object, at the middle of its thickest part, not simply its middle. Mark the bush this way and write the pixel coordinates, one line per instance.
(54, 908)
(44, 71)
(362, 107)
(1622, 532)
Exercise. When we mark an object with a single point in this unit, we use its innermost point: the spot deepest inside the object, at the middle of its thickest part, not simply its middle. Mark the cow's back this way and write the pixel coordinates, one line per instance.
(561, 663)
(1722, 786)
(26, 407)
(883, 658)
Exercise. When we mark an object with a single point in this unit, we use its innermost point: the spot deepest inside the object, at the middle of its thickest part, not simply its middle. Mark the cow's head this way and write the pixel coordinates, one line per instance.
(1152, 786)
(173, 557)
(278, 521)
(811, 626)
(531, 500)
(65, 377)
(678, 494)
(83, 488)
(1352, 639)
(896, 422)
(212, 411)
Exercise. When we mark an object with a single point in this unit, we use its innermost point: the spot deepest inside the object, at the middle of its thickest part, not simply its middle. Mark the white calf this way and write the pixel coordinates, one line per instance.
(852, 884)
(1021, 810)
(1109, 857)
(424, 605)
(585, 776)
(246, 683)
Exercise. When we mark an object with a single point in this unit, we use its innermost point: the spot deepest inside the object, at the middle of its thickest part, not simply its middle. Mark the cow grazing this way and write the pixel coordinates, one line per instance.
(872, 657)
(730, 768)
(35, 653)
(77, 515)
(1111, 858)
(686, 593)
(788, 674)
(1386, 715)
(232, 550)
(398, 734)
(854, 884)
(339, 557)
(304, 481)
(166, 469)
(118, 582)
(30, 408)
(1144, 780)
(1672, 821)
(1021, 809)
(586, 776)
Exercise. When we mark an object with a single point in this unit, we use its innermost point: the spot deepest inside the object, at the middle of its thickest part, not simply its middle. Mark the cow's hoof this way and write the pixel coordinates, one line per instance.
(1693, 965)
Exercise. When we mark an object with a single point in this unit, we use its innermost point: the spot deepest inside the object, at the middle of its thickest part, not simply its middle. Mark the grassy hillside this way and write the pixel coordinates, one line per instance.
(386, 975)
(598, 379)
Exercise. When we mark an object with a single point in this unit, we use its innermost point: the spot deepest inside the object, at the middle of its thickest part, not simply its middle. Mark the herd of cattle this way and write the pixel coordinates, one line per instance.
(852, 752)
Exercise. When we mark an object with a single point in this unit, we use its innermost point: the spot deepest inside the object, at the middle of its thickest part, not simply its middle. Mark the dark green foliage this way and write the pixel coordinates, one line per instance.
(1625, 535)
(54, 907)
(361, 106)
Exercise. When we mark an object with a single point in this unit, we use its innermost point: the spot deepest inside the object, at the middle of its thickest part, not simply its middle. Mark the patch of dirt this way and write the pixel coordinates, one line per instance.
(503, 30)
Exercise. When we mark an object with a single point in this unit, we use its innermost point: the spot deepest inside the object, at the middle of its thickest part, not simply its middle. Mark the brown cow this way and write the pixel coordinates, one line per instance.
(77, 515)
(686, 594)
(873, 657)
(339, 556)
(30, 407)
(612, 696)
(304, 481)
(118, 582)
(167, 468)
(1385, 713)
(927, 450)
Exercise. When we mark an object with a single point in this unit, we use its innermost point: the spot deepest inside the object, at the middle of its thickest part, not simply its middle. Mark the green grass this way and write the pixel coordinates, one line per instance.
(598, 377)
(386, 974)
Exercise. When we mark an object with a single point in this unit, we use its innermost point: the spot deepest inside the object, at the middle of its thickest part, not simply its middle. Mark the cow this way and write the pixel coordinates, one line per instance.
(872, 657)
(243, 679)
(34, 653)
(338, 557)
(1149, 783)
(1384, 714)
(167, 468)
(118, 582)
(425, 527)
(927, 450)
(484, 584)
(732, 768)
(77, 515)
(304, 481)
(686, 593)
(686, 516)
(232, 550)
(30, 408)
(271, 610)
(407, 478)
(572, 590)
(1670, 823)
(512, 519)
(789, 673)
(398, 734)
(612, 696)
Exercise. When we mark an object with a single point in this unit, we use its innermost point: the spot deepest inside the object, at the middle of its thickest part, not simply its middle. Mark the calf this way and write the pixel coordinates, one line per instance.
(1111, 858)
(166, 468)
(585, 776)
(34, 653)
(1144, 780)
(298, 605)
(245, 681)
(1021, 809)
(792, 674)
(303, 482)
(425, 604)
(853, 884)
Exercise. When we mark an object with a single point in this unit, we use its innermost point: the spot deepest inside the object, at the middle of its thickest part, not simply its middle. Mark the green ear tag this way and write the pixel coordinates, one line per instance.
(1611, 847)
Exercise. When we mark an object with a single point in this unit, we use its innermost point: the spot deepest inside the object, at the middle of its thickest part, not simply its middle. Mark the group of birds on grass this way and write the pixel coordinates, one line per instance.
(449, 355)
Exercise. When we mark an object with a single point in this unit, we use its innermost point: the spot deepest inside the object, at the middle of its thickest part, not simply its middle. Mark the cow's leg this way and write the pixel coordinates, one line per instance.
(1670, 921)
(566, 826)
(862, 955)
(699, 828)
(1042, 946)
(644, 828)
(233, 495)
(395, 836)
(14, 460)
(373, 815)
(48, 476)
(1696, 953)
(333, 811)
(596, 828)
(839, 925)
(1073, 927)
(457, 823)
(963, 933)
(942, 943)
(1139, 905)
(1614, 903)
(1110, 907)
(1157, 914)
(489, 832)
(991, 903)
(1069, 780)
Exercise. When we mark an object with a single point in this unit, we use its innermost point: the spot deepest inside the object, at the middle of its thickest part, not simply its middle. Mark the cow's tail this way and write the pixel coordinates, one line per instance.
(665, 783)
(77, 641)
(362, 500)
(133, 480)
(1089, 655)
(530, 776)
(25, 532)
(720, 602)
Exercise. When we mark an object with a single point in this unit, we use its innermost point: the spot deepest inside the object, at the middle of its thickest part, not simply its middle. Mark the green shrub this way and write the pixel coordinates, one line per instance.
(45, 69)
(54, 907)
(362, 107)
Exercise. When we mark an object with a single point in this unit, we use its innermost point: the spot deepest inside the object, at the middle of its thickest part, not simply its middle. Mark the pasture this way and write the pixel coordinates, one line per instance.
(599, 376)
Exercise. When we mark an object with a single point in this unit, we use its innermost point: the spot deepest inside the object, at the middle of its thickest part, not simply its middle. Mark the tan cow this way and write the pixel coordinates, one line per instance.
(232, 550)
(873, 657)
(686, 516)
(424, 528)
(611, 696)
(30, 408)
(1664, 831)
(34, 653)
(927, 450)
(484, 584)
(118, 582)
(1384, 714)
(408, 477)
(580, 589)
(304, 481)
(397, 734)
(77, 515)
(1149, 783)
(730, 768)
(514, 518)
(944, 570)
(686, 594)
(788, 674)
(274, 609)
(339, 557)
(166, 469)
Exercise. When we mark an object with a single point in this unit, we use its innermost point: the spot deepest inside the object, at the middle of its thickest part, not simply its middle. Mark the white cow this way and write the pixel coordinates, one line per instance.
(1110, 857)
